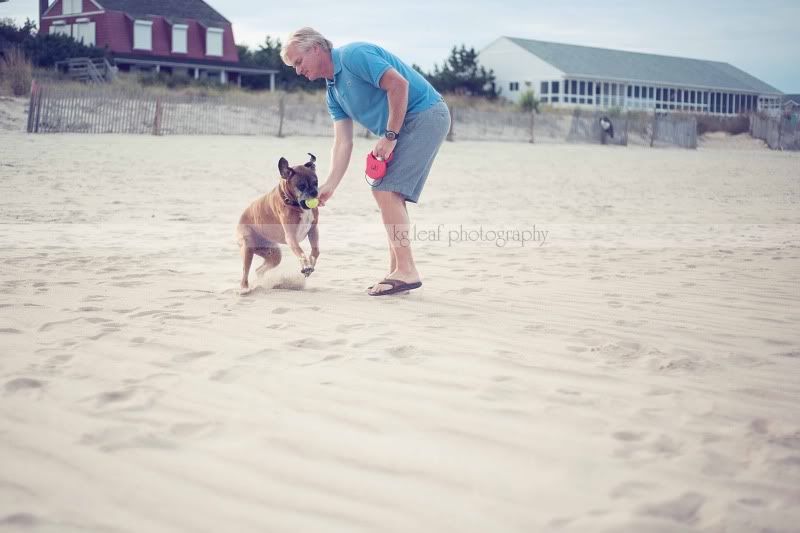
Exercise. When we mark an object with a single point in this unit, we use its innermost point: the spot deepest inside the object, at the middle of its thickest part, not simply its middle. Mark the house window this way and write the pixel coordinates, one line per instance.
(214, 42)
(84, 32)
(554, 87)
(71, 6)
(513, 86)
(179, 32)
(60, 28)
(143, 35)
(544, 87)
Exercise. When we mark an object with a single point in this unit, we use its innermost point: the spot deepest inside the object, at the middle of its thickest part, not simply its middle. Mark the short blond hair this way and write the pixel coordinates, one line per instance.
(305, 38)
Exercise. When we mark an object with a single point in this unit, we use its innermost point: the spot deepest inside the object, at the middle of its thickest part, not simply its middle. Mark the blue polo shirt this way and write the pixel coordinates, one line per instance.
(355, 90)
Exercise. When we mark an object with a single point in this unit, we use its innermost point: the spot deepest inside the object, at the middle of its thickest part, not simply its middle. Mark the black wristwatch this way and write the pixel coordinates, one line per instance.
(391, 135)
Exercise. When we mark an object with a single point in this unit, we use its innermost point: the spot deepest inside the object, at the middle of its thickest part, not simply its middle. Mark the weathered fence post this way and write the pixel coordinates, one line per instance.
(157, 119)
(282, 112)
(625, 133)
(532, 124)
(32, 105)
(653, 132)
(451, 132)
(38, 111)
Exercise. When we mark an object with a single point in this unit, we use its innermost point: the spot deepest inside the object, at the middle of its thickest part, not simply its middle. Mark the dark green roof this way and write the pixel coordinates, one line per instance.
(602, 63)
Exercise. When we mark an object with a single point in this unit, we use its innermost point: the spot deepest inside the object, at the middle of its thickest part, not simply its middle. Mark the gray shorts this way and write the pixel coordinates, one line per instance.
(420, 138)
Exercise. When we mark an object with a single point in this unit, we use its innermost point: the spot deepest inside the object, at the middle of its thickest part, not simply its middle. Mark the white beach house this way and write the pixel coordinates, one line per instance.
(565, 75)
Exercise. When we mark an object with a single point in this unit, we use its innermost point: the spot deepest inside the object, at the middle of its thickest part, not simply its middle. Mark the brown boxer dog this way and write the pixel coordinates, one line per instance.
(281, 217)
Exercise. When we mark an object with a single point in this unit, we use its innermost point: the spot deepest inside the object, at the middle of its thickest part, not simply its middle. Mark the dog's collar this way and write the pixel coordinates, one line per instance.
(294, 203)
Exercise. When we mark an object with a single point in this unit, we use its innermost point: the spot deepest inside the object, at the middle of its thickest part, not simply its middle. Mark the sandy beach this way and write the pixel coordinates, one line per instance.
(606, 341)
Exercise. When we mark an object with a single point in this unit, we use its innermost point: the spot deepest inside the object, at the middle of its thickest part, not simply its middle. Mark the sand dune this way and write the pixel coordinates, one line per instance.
(633, 370)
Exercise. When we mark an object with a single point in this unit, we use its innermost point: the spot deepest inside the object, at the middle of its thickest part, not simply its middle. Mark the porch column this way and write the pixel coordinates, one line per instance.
(223, 77)
(272, 82)
(197, 73)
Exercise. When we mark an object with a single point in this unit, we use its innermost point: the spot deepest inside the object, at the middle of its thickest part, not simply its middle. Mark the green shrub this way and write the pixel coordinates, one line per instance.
(528, 102)
(41, 49)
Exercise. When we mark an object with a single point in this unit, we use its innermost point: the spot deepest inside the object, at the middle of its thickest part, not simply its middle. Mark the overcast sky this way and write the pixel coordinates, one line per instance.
(759, 37)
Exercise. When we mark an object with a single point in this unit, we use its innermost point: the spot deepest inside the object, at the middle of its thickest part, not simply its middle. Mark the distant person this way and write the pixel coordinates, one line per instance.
(375, 88)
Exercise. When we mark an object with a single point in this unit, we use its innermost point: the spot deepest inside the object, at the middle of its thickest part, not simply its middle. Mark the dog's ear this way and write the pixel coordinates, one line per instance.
(311, 164)
(284, 168)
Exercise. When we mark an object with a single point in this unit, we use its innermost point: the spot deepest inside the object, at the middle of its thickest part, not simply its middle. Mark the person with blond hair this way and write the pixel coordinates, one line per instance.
(372, 86)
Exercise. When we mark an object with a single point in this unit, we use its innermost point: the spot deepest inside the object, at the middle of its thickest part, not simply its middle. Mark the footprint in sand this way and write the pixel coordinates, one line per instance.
(47, 326)
(119, 438)
(683, 509)
(752, 502)
(229, 375)
(631, 489)
(628, 436)
(188, 430)
(331, 357)
(307, 343)
(20, 520)
(620, 352)
(22, 384)
(191, 356)
(634, 446)
(577, 349)
(347, 328)
(403, 351)
(468, 290)
(129, 399)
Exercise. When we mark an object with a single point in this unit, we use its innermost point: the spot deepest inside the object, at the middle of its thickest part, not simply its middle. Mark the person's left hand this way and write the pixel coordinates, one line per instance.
(383, 148)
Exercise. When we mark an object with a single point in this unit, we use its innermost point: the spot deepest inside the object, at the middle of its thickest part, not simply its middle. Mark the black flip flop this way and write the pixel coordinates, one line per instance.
(397, 286)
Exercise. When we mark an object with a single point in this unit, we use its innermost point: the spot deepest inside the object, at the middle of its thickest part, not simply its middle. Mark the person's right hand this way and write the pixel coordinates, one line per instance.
(325, 193)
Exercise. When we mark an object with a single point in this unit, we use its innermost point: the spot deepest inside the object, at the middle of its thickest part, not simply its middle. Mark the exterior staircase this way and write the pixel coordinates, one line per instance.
(88, 70)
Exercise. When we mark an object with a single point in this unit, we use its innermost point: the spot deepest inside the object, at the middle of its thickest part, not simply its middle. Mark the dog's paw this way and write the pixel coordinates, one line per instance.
(307, 271)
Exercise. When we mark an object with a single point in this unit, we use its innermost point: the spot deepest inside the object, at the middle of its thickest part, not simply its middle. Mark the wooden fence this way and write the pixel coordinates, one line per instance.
(110, 109)
(780, 133)
(577, 127)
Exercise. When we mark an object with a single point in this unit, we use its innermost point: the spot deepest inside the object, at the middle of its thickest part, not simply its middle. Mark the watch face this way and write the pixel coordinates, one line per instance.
(391, 135)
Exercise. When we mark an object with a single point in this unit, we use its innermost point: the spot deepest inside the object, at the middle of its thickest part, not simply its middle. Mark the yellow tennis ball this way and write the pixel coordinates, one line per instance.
(311, 203)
